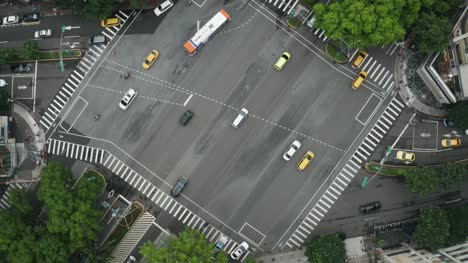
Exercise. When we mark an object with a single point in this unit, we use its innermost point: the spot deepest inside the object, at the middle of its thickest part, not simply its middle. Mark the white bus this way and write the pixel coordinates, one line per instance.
(208, 30)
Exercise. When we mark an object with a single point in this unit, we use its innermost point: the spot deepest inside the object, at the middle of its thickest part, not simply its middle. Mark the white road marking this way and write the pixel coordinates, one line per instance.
(188, 99)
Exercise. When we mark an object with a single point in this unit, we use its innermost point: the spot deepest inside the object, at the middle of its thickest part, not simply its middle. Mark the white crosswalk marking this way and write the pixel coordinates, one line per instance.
(369, 143)
(74, 80)
(5, 198)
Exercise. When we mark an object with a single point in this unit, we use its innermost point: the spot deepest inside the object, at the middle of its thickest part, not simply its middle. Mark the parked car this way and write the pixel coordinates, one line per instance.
(282, 61)
(292, 149)
(150, 59)
(113, 21)
(97, 40)
(10, 20)
(451, 142)
(3, 83)
(311, 22)
(220, 244)
(31, 17)
(179, 186)
(127, 99)
(370, 207)
(240, 250)
(43, 33)
(406, 157)
(131, 259)
(448, 123)
(186, 117)
(163, 7)
(21, 68)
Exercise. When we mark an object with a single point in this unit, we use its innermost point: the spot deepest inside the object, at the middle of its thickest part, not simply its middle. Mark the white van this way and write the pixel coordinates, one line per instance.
(242, 114)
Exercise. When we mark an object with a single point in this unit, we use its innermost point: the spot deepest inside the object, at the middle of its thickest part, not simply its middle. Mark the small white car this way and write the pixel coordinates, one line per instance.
(240, 250)
(10, 20)
(3, 83)
(292, 149)
(127, 99)
(43, 33)
(163, 7)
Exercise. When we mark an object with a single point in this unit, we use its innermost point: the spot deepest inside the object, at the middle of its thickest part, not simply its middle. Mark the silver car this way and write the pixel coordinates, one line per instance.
(10, 20)
(240, 250)
(127, 99)
(43, 33)
(292, 149)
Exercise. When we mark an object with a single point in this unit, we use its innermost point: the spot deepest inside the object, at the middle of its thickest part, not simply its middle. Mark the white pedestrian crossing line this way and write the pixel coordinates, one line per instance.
(5, 198)
(72, 150)
(75, 78)
(370, 142)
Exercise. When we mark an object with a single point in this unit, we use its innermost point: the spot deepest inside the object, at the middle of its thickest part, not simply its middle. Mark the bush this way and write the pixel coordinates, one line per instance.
(326, 249)
(432, 231)
(294, 22)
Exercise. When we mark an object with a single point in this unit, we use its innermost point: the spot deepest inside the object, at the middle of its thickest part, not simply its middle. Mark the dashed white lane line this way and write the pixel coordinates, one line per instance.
(188, 99)
(145, 97)
(175, 87)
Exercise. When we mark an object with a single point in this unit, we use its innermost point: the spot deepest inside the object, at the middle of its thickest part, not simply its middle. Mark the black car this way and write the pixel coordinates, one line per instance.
(22, 68)
(31, 17)
(97, 40)
(186, 117)
(179, 186)
(370, 207)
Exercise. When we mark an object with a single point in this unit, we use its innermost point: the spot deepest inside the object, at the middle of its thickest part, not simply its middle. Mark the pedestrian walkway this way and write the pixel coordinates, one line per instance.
(133, 236)
(285, 6)
(5, 200)
(377, 73)
(157, 196)
(75, 151)
(347, 173)
(75, 78)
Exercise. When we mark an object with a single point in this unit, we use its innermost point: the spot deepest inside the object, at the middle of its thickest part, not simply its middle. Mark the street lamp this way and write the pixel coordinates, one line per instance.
(63, 29)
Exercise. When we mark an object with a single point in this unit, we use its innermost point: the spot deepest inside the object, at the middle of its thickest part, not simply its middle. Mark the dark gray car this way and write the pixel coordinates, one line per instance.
(22, 68)
(179, 186)
(97, 40)
(370, 207)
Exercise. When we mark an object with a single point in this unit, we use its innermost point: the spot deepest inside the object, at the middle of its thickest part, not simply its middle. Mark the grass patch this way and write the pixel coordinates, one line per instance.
(94, 176)
(121, 230)
(294, 22)
(309, 3)
(335, 54)
(50, 55)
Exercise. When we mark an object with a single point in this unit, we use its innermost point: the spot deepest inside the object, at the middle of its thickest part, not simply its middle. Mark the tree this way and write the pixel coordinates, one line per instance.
(16, 237)
(84, 226)
(4, 100)
(30, 50)
(188, 246)
(51, 247)
(458, 113)
(6, 54)
(425, 179)
(432, 230)
(458, 216)
(100, 9)
(326, 249)
(432, 33)
(363, 23)
(136, 4)
(55, 192)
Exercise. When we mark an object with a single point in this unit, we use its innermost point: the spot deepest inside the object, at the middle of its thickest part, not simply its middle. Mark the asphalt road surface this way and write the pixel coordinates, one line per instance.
(238, 175)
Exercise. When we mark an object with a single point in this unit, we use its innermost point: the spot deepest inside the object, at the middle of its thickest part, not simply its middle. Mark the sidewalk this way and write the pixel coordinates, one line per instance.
(296, 256)
(407, 88)
(39, 143)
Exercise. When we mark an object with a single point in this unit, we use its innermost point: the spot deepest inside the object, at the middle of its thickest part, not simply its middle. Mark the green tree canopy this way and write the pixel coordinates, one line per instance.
(51, 247)
(424, 179)
(432, 33)
(30, 50)
(458, 216)
(363, 23)
(100, 9)
(326, 249)
(189, 246)
(6, 54)
(432, 230)
(458, 113)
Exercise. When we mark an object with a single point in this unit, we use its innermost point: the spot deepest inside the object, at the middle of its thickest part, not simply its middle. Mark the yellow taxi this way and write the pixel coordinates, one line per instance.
(451, 142)
(357, 82)
(407, 157)
(113, 21)
(150, 59)
(282, 61)
(361, 56)
(305, 161)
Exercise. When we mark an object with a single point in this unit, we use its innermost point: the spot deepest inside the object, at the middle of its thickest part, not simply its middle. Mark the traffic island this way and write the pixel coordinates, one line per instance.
(335, 54)
(50, 55)
(294, 22)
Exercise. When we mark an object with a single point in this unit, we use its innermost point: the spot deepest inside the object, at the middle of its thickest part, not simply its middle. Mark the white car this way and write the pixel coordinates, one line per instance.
(10, 20)
(240, 250)
(127, 99)
(163, 7)
(43, 33)
(292, 149)
(3, 83)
